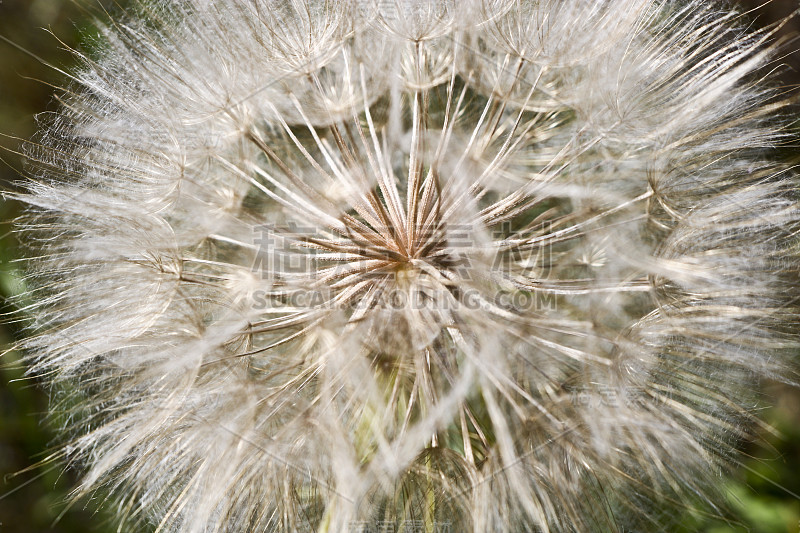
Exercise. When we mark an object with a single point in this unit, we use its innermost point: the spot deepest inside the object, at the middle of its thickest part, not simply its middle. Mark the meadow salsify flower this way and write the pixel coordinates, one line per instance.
(412, 265)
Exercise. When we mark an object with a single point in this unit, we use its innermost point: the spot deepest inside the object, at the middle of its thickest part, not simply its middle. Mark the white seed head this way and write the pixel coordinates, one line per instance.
(487, 265)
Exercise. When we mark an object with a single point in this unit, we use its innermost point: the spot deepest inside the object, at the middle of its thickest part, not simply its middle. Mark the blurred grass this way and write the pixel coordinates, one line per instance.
(32, 500)
(762, 498)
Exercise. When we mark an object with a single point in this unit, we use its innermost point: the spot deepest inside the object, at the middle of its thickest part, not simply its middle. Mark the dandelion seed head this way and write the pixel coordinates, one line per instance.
(503, 265)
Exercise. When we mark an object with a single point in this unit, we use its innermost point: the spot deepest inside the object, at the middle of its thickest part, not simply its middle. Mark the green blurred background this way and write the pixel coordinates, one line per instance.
(762, 497)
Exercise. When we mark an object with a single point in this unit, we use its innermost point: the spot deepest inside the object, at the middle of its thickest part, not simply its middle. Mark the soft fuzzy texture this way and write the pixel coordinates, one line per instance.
(409, 265)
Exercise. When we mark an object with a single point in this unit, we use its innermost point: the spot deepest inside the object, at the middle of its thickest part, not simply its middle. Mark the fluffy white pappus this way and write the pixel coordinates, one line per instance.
(413, 265)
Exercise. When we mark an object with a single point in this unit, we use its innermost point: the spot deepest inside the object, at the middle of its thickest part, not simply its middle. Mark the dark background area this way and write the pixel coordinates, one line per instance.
(763, 496)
